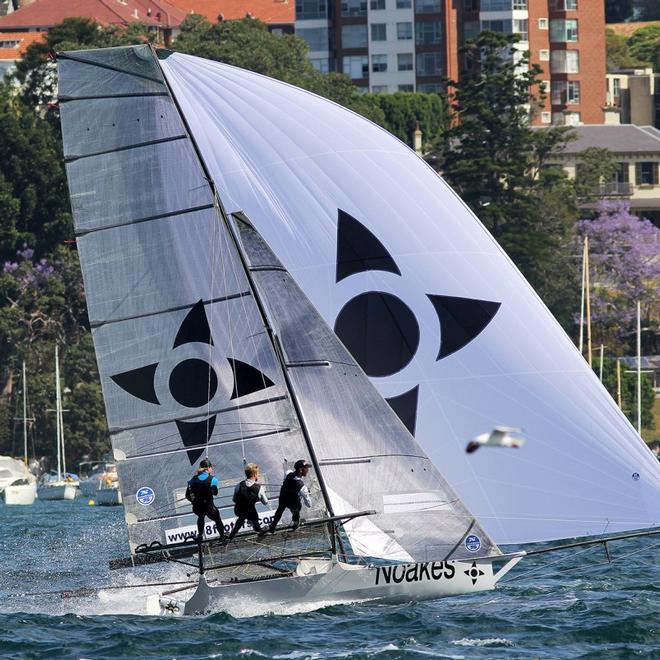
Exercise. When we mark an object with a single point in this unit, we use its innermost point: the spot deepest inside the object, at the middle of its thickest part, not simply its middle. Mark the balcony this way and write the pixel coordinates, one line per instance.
(614, 189)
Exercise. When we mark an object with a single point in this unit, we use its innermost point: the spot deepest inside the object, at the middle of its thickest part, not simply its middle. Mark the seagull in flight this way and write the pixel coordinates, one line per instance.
(500, 436)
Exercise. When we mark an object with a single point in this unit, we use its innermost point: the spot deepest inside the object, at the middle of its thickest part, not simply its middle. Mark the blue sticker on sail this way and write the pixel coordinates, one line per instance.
(635, 476)
(145, 496)
(472, 543)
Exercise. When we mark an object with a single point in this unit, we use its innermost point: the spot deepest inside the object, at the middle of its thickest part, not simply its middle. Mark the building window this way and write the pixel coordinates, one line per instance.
(429, 88)
(429, 64)
(563, 5)
(322, 64)
(404, 31)
(566, 118)
(406, 88)
(403, 4)
(379, 32)
(646, 174)
(379, 63)
(503, 25)
(503, 5)
(428, 6)
(564, 30)
(316, 38)
(565, 61)
(428, 32)
(520, 27)
(353, 7)
(356, 66)
(404, 61)
(544, 55)
(543, 23)
(565, 92)
(379, 89)
(616, 87)
(546, 117)
(354, 36)
(377, 4)
(307, 9)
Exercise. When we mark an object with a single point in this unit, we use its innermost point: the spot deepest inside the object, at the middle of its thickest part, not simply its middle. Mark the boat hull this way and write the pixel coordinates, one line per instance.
(63, 492)
(108, 497)
(23, 494)
(323, 581)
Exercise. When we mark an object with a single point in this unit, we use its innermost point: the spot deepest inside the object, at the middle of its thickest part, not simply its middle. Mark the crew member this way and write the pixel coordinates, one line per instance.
(292, 495)
(201, 489)
(246, 495)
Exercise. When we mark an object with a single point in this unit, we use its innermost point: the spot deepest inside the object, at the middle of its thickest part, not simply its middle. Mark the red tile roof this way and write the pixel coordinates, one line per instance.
(47, 13)
(24, 40)
(268, 11)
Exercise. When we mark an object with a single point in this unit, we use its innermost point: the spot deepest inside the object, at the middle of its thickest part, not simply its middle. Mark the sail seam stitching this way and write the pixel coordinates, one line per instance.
(64, 98)
(108, 67)
(138, 145)
(239, 406)
(136, 221)
(209, 444)
(98, 324)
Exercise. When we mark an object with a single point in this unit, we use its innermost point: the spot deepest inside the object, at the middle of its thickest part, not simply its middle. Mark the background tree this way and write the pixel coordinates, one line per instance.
(623, 255)
(618, 52)
(644, 45)
(499, 165)
(595, 166)
(646, 10)
(629, 391)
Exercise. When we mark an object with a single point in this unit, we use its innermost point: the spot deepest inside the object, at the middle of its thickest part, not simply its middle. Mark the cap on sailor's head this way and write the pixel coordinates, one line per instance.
(205, 464)
(301, 464)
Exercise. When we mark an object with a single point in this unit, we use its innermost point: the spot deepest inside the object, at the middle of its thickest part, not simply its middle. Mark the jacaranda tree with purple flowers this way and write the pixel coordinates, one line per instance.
(624, 253)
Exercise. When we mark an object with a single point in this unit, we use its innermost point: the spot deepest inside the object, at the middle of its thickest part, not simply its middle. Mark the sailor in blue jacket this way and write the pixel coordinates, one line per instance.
(201, 489)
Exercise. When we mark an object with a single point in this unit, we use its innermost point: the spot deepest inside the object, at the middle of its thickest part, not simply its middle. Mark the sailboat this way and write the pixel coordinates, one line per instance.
(23, 488)
(58, 485)
(252, 254)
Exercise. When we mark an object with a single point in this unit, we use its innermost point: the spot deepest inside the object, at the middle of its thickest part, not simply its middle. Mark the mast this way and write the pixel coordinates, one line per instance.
(639, 368)
(25, 434)
(273, 339)
(57, 414)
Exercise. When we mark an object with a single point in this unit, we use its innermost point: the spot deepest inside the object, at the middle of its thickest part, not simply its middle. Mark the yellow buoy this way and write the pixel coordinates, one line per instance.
(91, 503)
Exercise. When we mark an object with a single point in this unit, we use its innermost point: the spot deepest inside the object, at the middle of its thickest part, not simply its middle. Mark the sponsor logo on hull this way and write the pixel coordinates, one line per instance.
(425, 571)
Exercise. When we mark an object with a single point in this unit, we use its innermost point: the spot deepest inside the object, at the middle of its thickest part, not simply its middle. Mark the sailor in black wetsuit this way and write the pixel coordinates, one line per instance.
(246, 495)
(201, 489)
(292, 495)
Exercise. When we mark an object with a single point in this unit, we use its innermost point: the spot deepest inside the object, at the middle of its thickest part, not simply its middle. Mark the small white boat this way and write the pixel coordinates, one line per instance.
(17, 484)
(108, 496)
(95, 477)
(52, 487)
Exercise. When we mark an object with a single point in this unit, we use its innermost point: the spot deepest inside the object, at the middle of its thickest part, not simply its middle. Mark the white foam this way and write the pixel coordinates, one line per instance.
(489, 641)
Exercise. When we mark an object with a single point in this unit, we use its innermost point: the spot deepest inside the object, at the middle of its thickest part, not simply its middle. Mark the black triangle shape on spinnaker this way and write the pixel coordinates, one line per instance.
(358, 250)
(247, 379)
(139, 382)
(405, 406)
(461, 320)
(195, 327)
(194, 434)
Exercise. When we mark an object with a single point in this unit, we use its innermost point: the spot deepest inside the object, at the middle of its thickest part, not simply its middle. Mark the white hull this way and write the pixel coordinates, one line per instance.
(323, 580)
(60, 492)
(108, 496)
(88, 487)
(23, 494)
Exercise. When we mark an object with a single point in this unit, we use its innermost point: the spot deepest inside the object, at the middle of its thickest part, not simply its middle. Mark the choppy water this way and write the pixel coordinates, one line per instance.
(572, 608)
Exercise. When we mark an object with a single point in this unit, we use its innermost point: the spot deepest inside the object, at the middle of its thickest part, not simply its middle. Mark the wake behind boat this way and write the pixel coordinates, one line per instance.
(215, 350)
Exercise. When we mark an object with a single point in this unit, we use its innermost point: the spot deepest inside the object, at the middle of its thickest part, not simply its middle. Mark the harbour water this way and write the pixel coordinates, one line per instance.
(567, 605)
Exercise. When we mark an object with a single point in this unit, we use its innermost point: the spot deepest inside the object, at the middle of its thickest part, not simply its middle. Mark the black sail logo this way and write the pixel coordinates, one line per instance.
(192, 382)
(381, 331)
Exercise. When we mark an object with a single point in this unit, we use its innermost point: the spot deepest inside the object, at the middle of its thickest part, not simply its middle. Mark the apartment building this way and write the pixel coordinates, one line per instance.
(410, 45)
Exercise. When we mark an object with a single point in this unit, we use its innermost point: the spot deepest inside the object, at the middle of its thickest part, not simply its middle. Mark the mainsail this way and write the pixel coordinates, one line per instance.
(426, 301)
(206, 345)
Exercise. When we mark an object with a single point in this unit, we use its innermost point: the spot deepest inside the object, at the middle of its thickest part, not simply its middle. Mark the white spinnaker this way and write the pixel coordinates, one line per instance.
(277, 152)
